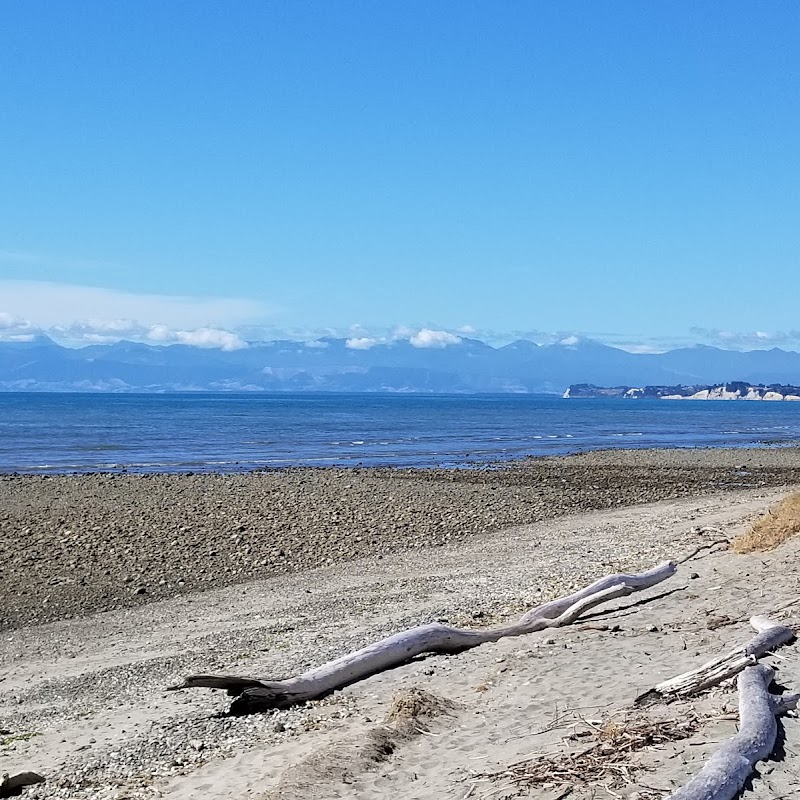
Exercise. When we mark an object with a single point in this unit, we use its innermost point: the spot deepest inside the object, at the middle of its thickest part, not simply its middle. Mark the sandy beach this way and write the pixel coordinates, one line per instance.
(148, 579)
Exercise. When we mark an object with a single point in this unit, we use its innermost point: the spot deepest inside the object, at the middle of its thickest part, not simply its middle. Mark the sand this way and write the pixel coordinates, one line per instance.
(83, 700)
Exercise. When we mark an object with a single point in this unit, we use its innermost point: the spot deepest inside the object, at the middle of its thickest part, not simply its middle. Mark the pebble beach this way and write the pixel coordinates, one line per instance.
(83, 698)
(77, 544)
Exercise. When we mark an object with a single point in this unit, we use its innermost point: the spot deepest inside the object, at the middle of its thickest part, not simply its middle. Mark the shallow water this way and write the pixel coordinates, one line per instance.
(233, 432)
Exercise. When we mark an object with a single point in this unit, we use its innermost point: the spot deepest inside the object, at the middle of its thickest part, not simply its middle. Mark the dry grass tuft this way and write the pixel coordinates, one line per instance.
(607, 762)
(777, 526)
(344, 761)
(415, 704)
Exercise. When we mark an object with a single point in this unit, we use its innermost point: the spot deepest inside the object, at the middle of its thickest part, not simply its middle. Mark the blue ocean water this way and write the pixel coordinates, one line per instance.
(42, 433)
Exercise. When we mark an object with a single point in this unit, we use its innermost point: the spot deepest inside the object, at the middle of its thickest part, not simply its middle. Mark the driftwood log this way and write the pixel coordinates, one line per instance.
(12, 785)
(770, 635)
(728, 769)
(255, 694)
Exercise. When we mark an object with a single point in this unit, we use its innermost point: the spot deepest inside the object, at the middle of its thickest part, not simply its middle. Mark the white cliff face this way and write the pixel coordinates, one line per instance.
(722, 393)
(732, 391)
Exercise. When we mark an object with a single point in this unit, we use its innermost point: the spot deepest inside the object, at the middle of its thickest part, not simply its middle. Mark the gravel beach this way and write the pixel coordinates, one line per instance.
(83, 700)
(76, 544)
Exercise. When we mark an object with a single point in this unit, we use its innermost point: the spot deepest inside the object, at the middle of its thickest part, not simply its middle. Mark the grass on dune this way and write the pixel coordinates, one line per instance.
(777, 526)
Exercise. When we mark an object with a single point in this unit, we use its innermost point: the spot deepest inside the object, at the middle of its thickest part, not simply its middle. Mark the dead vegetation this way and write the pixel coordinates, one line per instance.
(417, 706)
(342, 762)
(777, 526)
(607, 761)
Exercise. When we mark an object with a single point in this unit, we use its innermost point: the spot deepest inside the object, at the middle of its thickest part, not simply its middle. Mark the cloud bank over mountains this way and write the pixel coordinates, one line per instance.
(83, 332)
(78, 316)
(427, 361)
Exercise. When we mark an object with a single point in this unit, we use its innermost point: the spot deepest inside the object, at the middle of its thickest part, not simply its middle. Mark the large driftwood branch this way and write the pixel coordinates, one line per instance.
(255, 694)
(728, 769)
(770, 635)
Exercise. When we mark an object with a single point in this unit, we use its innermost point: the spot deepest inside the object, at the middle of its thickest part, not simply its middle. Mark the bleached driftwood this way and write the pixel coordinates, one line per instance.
(255, 694)
(728, 769)
(770, 635)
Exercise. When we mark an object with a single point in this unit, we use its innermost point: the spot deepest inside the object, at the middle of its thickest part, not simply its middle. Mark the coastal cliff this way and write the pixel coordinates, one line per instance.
(736, 390)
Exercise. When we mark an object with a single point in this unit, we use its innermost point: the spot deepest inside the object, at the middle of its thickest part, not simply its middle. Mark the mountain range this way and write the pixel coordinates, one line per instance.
(332, 364)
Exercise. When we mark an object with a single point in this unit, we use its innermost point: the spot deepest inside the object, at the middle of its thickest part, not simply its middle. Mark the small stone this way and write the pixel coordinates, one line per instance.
(140, 590)
(694, 576)
(652, 628)
(278, 727)
(196, 744)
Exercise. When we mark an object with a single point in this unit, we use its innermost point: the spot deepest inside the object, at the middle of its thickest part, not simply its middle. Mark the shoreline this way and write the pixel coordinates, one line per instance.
(451, 463)
(77, 544)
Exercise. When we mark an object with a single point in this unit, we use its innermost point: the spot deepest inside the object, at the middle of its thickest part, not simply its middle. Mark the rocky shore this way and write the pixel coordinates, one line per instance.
(76, 544)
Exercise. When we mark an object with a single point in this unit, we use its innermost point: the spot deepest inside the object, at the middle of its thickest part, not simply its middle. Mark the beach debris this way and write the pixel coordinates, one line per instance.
(606, 762)
(255, 694)
(777, 526)
(12, 785)
(770, 635)
(727, 770)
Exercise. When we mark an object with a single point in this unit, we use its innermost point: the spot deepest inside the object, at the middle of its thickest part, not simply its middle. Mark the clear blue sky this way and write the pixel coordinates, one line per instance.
(626, 168)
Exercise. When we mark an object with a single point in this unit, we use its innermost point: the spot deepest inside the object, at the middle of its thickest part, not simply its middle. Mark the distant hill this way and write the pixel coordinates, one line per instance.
(340, 365)
(736, 390)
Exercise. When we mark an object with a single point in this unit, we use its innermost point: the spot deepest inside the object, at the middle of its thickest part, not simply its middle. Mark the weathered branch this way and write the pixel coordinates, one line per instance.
(255, 694)
(12, 786)
(728, 769)
(770, 635)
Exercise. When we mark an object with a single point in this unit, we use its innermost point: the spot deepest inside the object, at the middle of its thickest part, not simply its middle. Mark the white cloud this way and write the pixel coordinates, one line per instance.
(402, 332)
(59, 304)
(638, 348)
(429, 338)
(80, 315)
(361, 343)
(8, 322)
(467, 330)
(747, 340)
(98, 331)
(316, 344)
(200, 337)
(16, 329)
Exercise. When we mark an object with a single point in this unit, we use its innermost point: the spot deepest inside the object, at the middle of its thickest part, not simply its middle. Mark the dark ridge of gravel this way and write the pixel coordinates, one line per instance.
(76, 544)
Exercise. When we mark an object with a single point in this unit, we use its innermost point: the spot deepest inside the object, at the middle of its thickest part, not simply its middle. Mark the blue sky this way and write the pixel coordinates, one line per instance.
(625, 170)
